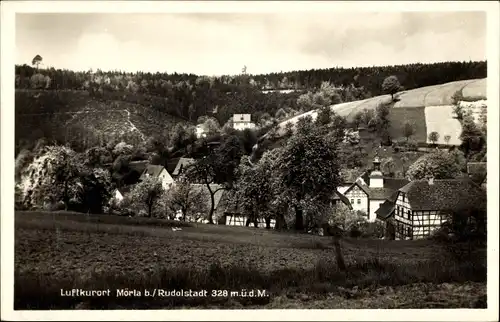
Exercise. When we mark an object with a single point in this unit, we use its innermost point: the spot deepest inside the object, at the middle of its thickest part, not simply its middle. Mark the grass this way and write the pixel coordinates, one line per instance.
(440, 119)
(67, 250)
(475, 90)
(411, 106)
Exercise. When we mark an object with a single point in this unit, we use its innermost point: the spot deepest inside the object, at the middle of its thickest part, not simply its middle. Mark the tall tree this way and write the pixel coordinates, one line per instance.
(391, 86)
(307, 171)
(438, 164)
(218, 167)
(147, 193)
(434, 137)
(37, 60)
(189, 200)
(408, 130)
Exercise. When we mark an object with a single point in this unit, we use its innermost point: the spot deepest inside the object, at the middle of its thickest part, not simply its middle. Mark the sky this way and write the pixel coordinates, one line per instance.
(221, 44)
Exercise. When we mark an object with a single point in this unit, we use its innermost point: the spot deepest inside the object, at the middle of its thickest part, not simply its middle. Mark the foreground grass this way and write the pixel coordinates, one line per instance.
(65, 252)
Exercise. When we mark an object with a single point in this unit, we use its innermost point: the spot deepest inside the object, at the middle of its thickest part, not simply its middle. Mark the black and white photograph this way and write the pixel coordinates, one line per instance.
(246, 159)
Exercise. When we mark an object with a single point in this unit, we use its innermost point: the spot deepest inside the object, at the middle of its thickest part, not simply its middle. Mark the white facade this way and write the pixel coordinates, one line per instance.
(166, 179)
(118, 195)
(200, 131)
(242, 121)
(358, 199)
(240, 126)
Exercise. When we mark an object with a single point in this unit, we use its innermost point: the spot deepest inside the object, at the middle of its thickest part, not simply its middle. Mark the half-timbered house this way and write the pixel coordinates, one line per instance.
(422, 206)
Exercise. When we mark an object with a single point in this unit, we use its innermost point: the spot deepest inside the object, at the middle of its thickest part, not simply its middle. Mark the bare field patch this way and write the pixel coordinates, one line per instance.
(441, 120)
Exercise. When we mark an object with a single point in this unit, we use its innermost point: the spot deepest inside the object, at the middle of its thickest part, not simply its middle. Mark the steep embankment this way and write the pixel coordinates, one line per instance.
(66, 114)
(428, 108)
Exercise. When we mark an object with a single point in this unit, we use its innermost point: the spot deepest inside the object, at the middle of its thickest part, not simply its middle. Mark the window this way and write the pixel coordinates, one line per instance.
(359, 201)
(352, 201)
(409, 214)
(408, 232)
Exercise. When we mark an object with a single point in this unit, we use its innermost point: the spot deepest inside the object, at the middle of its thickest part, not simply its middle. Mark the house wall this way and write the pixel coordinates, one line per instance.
(243, 125)
(166, 179)
(403, 218)
(358, 199)
(234, 220)
(118, 195)
(376, 182)
(374, 205)
(425, 223)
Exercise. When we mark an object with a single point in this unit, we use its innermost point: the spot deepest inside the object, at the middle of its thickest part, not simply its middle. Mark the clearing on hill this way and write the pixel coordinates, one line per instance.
(418, 106)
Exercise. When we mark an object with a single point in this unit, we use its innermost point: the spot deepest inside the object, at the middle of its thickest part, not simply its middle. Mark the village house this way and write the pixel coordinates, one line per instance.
(181, 166)
(120, 193)
(159, 172)
(242, 121)
(421, 206)
(370, 190)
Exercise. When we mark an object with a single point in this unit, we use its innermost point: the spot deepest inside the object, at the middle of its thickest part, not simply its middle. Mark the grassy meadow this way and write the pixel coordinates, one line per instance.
(60, 250)
(410, 107)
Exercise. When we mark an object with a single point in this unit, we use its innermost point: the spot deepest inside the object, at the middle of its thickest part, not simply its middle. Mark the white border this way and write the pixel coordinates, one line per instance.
(8, 10)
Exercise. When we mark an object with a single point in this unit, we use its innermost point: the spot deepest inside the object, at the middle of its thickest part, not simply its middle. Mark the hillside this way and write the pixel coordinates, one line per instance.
(72, 114)
(428, 108)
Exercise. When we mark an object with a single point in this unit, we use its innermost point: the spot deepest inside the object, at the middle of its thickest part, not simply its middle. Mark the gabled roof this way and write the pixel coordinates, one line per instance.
(380, 193)
(153, 171)
(171, 164)
(344, 199)
(182, 165)
(385, 210)
(361, 186)
(449, 194)
(138, 166)
(125, 189)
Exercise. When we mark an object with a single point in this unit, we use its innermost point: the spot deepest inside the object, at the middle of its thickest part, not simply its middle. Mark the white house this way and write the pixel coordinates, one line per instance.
(370, 190)
(158, 171)
(243, 121)
(200, 131)
(421, 205)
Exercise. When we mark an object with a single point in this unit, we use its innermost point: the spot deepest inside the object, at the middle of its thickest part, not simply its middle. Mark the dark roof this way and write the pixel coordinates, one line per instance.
(385, 210)
(171, 164)
(344, 199)
(361, 186)
(125, 189)
(449, 194)
(138, 166)
(152, 170)
(182, 164)
(380, 193)
(395, 183)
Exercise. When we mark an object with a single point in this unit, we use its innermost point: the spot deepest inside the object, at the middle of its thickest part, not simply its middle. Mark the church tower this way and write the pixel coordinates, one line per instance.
(376, 176)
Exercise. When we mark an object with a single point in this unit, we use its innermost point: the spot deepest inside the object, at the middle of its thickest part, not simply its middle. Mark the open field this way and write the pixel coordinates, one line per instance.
(410, 107)
(61, 250)
(476, 89)
(441, 120)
